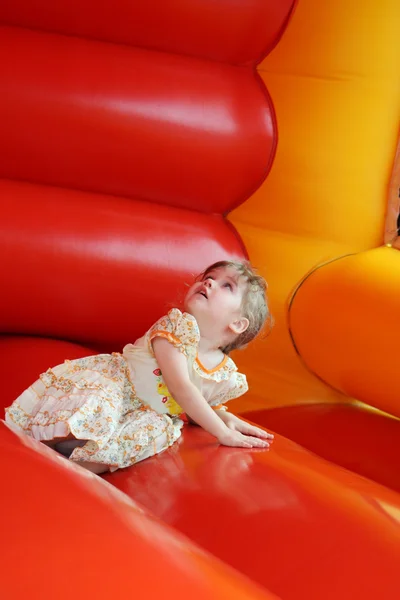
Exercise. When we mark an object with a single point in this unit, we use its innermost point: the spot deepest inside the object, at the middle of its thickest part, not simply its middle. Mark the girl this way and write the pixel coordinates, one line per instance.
(110, 411)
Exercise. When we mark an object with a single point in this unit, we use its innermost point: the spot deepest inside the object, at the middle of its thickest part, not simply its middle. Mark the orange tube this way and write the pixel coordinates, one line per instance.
(345, 324)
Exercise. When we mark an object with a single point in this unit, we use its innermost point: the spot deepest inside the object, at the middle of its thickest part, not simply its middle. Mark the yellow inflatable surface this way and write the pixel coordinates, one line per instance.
(335, 81)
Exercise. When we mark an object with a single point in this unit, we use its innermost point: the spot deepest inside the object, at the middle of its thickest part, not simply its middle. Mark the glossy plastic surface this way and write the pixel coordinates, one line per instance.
(291, 521)
(352, 436)
(125, 121)
(334, 79)
(236, 32)
(67, 534)
(352, 340)
(97, 269)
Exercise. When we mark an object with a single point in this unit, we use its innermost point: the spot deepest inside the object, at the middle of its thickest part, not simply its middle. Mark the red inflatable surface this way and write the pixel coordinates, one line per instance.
(129, 131)
(99, 269)
(274, 514)
(233, 32)
(145, 125)
(74, 536)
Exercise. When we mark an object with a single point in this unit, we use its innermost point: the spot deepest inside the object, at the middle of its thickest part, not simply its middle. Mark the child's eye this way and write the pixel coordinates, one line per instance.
(228, 285)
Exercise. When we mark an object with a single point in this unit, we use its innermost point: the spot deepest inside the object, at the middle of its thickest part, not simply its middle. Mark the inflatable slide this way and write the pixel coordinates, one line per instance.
(140, 142)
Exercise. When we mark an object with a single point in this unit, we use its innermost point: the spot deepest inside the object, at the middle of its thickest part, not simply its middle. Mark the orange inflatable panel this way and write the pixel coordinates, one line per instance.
(352, 340)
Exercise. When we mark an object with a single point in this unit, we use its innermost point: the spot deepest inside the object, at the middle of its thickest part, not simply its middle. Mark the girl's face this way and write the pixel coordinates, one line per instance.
(216, 300)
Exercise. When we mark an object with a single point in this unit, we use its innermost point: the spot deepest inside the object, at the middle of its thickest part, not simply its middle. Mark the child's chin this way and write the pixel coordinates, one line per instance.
(193, 305)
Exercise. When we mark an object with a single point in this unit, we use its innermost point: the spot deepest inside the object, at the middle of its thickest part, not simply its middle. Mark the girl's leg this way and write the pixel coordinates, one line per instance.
(66, 448)
(53, 443)
(96, 468)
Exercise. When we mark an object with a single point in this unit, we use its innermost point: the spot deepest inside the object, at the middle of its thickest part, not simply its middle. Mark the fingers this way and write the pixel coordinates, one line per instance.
(240, 440)
(257, 442)
(244, 444)
(256, 431)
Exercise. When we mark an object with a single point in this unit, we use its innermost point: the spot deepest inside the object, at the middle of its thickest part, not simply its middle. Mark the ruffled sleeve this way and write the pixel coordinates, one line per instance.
(180, 329)
(233, 388)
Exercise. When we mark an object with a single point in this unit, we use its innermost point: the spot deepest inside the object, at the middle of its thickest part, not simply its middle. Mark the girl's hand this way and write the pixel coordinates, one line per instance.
(238, 440)
(236, 424)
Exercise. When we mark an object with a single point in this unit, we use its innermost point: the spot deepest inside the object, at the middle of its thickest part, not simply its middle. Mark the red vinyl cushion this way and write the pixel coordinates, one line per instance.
(289, 520)
(352, 436)
(97, 269)
(67, 534)
(125, 121)
(239, 32)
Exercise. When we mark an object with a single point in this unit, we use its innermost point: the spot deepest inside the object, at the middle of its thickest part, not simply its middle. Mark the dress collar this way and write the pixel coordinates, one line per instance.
(221, 372)
(215, 369)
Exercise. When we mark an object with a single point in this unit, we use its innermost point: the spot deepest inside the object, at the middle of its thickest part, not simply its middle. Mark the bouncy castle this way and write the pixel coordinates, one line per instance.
(140, 142)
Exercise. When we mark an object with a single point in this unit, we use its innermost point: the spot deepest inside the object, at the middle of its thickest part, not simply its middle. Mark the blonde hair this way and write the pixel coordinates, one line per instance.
(254, 304)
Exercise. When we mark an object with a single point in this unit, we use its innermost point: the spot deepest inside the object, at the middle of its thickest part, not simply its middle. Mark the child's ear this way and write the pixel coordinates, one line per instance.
(239, 326)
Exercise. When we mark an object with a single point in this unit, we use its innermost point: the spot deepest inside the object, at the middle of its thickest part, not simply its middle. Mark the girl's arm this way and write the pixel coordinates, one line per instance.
(173, 365)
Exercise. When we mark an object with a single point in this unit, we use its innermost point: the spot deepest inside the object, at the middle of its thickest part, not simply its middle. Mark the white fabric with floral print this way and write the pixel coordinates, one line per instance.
(120, 403)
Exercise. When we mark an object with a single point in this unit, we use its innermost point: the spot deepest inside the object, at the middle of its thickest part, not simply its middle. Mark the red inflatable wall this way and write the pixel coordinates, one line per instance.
(119, 162)
(230, 32)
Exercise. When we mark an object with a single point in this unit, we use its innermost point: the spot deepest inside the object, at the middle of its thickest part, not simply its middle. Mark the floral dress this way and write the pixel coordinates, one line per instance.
(119, 403)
